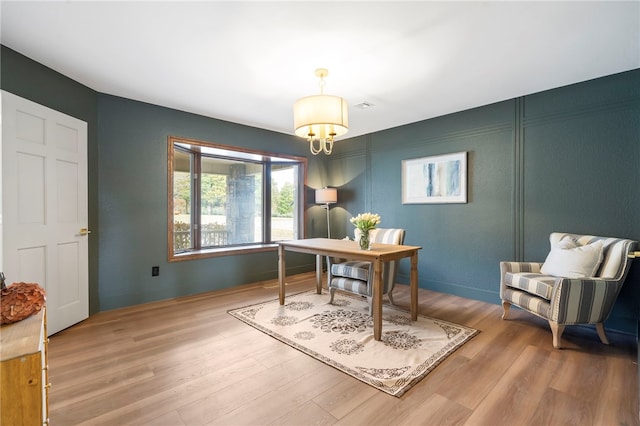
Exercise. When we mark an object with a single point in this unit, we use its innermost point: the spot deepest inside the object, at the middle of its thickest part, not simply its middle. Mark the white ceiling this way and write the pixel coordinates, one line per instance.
(248, 62)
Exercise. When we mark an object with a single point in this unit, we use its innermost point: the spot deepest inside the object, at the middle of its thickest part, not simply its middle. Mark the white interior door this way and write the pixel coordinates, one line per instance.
(44, 206)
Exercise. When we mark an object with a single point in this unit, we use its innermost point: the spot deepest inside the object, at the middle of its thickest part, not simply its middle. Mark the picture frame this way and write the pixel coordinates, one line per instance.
(438, 179)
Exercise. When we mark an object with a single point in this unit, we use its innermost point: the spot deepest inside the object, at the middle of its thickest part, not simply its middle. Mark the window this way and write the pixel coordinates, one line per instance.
(222, 200)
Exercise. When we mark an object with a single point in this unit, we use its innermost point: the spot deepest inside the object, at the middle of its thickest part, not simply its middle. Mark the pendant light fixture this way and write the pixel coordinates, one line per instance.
(320, 118)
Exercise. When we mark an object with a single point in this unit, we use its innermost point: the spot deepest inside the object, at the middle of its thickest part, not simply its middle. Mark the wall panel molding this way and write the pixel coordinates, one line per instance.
(453, 136)
(518, 184)
(626, 104)
(368, 178)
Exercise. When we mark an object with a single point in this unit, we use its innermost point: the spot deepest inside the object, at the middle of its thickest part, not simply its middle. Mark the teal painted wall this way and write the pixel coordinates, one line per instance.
(461, 242)
(133, 204)
(561, 160)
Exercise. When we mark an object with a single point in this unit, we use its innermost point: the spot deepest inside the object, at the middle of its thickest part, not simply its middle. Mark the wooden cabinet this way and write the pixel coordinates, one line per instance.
(24, 374)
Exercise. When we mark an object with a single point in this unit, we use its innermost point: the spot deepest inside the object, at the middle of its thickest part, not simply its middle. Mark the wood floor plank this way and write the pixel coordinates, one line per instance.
(172, 418)
(559, 408)
(186, 362)
(517, 395)
(380, 409)
(621, 379)
(437, 410)
(487, 367)
(344, 396)
(307, 414)
(283, 400)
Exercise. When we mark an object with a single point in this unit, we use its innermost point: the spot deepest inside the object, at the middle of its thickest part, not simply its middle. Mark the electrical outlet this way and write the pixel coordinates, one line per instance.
(155, 271)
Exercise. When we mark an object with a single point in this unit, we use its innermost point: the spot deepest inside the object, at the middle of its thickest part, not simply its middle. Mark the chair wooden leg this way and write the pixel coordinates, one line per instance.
(332, 292)
(601, 333)
(556, 331)
(505, 309)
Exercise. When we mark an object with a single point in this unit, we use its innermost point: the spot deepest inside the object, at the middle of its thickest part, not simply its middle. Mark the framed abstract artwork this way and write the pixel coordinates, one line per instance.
(433, 180)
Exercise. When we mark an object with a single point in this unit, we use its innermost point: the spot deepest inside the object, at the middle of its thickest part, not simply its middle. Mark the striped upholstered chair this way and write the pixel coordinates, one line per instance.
(357, 276)
(577, 284)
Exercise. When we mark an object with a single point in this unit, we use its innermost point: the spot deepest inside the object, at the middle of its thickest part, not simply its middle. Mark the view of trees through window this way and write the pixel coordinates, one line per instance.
(220, 201)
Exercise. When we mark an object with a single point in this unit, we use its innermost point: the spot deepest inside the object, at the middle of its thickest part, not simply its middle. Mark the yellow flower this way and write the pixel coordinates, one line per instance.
(366, 221)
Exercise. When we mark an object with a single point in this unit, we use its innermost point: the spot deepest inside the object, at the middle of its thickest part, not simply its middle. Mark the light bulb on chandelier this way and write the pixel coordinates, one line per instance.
(320, 118)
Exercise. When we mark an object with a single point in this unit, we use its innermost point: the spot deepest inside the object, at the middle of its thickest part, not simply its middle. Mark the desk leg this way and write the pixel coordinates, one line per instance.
(319, 274)
(281, 273)
(414, 286)
(377, 300)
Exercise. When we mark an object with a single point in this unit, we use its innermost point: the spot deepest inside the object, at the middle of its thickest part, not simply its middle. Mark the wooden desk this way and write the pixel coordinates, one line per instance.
(379, 254)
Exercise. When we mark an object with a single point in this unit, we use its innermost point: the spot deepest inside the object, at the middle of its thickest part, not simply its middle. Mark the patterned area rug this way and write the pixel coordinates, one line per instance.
(341, 335)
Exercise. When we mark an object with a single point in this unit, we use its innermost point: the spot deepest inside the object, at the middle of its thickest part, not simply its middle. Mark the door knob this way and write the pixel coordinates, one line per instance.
(84, 231)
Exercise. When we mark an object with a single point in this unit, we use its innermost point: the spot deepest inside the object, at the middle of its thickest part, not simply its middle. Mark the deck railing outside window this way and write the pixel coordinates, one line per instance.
(182, 239)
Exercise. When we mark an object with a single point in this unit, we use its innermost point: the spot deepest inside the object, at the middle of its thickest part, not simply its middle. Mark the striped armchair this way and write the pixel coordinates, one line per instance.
(357, 276)
(558, 291)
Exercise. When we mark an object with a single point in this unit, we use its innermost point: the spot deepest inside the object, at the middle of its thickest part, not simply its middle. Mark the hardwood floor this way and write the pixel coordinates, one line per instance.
(187, 362)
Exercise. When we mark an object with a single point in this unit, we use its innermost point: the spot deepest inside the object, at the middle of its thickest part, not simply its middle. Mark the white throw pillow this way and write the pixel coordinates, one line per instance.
(573, 262)
(567, 242)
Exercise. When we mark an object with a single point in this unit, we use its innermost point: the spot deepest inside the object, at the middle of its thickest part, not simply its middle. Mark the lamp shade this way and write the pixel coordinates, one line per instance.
(326, 196)
(320, 117)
